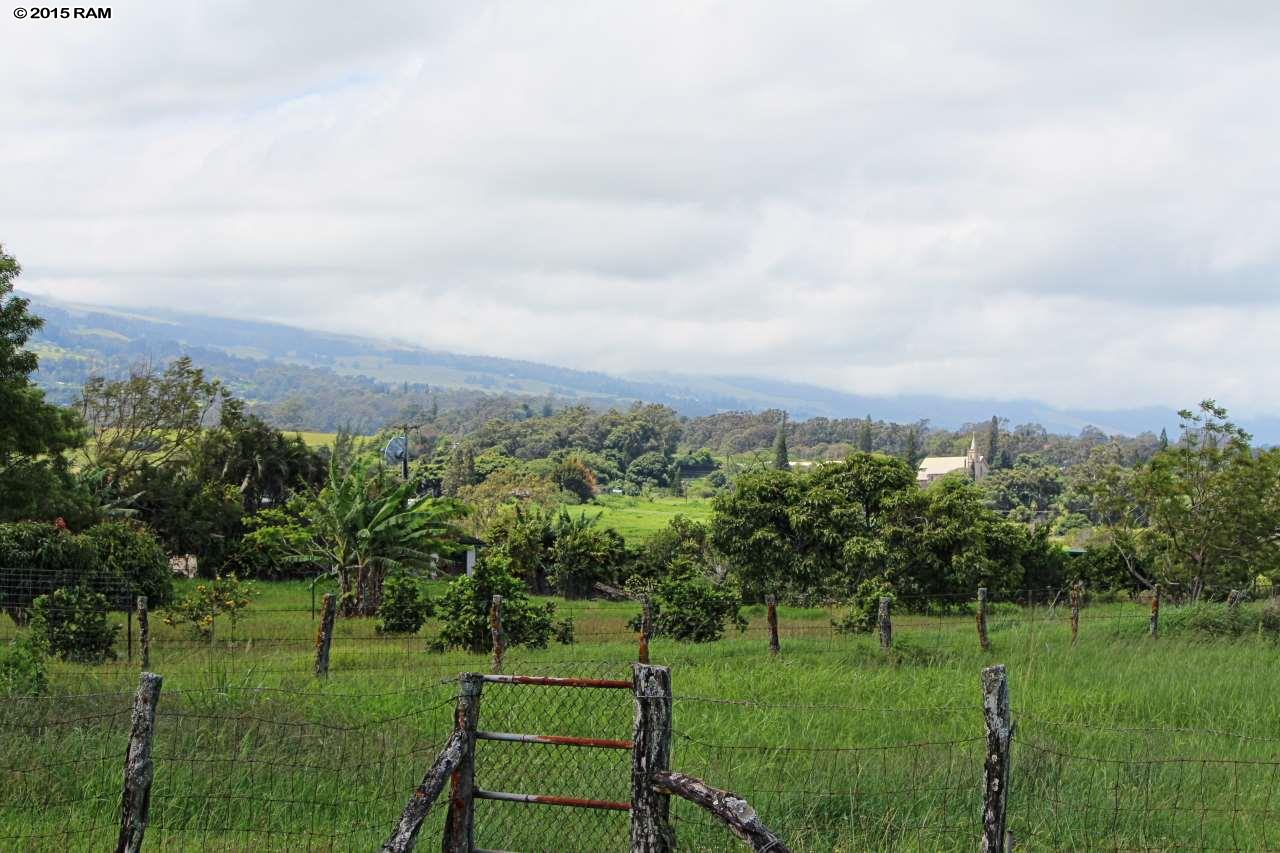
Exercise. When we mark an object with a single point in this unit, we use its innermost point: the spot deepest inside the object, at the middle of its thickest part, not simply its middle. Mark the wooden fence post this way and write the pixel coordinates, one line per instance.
(1233, 602)
(983, 640)
(324, 637)
(995, 791)
(1155, 612)
(495, 630)
(144, 632)
(405, 836)
(646, 628)
(886, 624)
(139, 769)
(651, 751)
(459, 823)
(771, 603)
(732, 810)
(1077, 589)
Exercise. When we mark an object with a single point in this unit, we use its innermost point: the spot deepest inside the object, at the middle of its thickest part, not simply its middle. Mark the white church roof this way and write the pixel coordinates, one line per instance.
(936, 466)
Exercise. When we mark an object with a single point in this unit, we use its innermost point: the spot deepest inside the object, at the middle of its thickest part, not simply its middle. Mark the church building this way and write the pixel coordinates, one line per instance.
(973, 464)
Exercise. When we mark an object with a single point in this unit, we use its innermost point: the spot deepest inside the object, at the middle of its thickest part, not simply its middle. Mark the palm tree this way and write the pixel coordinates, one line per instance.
(364, 525)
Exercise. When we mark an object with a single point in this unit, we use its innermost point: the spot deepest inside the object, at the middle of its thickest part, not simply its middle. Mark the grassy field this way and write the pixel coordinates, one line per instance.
(315, 439)
(638, 518)
(1122, 742)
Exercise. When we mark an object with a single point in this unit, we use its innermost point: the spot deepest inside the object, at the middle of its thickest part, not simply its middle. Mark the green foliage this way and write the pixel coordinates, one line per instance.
(132, 552)
(864, 607)
(583, 554)
(753, 528)
(275, 535)
(405, 605)
(35, 479)
(781, 460)
(23, 670)
(463, 610)
(573, 475)
(36, 559)
(199, 609)
(72, 624)
(689, 607)
(649, 469)
(364, 524)
(564, 632)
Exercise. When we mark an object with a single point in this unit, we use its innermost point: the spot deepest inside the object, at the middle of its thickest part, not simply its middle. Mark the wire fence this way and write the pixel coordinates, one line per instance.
(256, 768)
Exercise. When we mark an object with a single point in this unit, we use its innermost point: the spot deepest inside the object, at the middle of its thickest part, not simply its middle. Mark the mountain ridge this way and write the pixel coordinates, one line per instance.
(103, 338)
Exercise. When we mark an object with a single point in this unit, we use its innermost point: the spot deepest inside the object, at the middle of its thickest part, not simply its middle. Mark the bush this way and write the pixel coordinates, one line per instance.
(405, 606)
(200, 608)
(116, 558)
(72, 624)
(690, 608)
(22, 667)
(564, 632)
(864, 607)
(133, 553)
(463, 610)
(1270, 620)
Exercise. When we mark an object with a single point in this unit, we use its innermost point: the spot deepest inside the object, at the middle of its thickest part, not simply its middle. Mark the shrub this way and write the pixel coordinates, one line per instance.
(22, 667)
(564, 632)
(463, 610)
(72, 623)
(132, 552)
(690, 608)
(405, 606)
(1270, 620)
(864, 607)
(200, 608)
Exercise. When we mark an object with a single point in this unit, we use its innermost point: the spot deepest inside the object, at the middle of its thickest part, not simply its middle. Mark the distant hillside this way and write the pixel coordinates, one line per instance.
(318, 380)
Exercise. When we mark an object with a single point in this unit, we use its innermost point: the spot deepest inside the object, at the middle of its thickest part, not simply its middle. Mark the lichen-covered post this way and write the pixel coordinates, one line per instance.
(404, 837)
(651, 830)
(459, 823)
(732, 810)
(495, 632)
(886, 624)
(139, 769)
(646, 628)
(983, 640)
(144, 632)
(1155, 612)
(995, 790)
(324, 637)
(1076, 593)
(771, 603)
(1233, 602)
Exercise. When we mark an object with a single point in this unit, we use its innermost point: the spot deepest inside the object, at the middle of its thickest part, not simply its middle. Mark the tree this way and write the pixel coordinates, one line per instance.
(573, 475)
(460, 470)
(865, 436)
(780, 460)
(364, 525)
(911, 452)
(150, 417)
(35, 477)
(752, 528)
(993, 443)
(1164, 439)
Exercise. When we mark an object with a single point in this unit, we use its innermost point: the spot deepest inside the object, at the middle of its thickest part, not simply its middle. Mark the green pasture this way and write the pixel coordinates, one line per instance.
(1122, 741)
(638, 518)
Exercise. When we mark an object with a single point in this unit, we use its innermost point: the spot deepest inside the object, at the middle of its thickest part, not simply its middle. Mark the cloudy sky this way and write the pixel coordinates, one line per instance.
(1077, 203)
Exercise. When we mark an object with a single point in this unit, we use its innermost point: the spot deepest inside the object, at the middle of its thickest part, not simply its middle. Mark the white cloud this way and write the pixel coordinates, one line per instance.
(1070, 203)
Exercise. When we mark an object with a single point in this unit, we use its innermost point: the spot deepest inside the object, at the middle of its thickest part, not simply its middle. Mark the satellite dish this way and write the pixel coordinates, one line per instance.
(395, 450)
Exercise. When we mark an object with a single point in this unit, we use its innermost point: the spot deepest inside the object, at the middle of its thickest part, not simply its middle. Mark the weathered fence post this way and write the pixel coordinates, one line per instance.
(139, 770)
(324, 637)
(732, 810)
(495, 630)
(1155, 612)
(404, 837)
(983, 640)
(646, 628)
(459, 823)
(144, 632)
(771, 603)
(886, 624)
(1076, 594)
(651, 751)
(1233, 602)
(995, 792)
